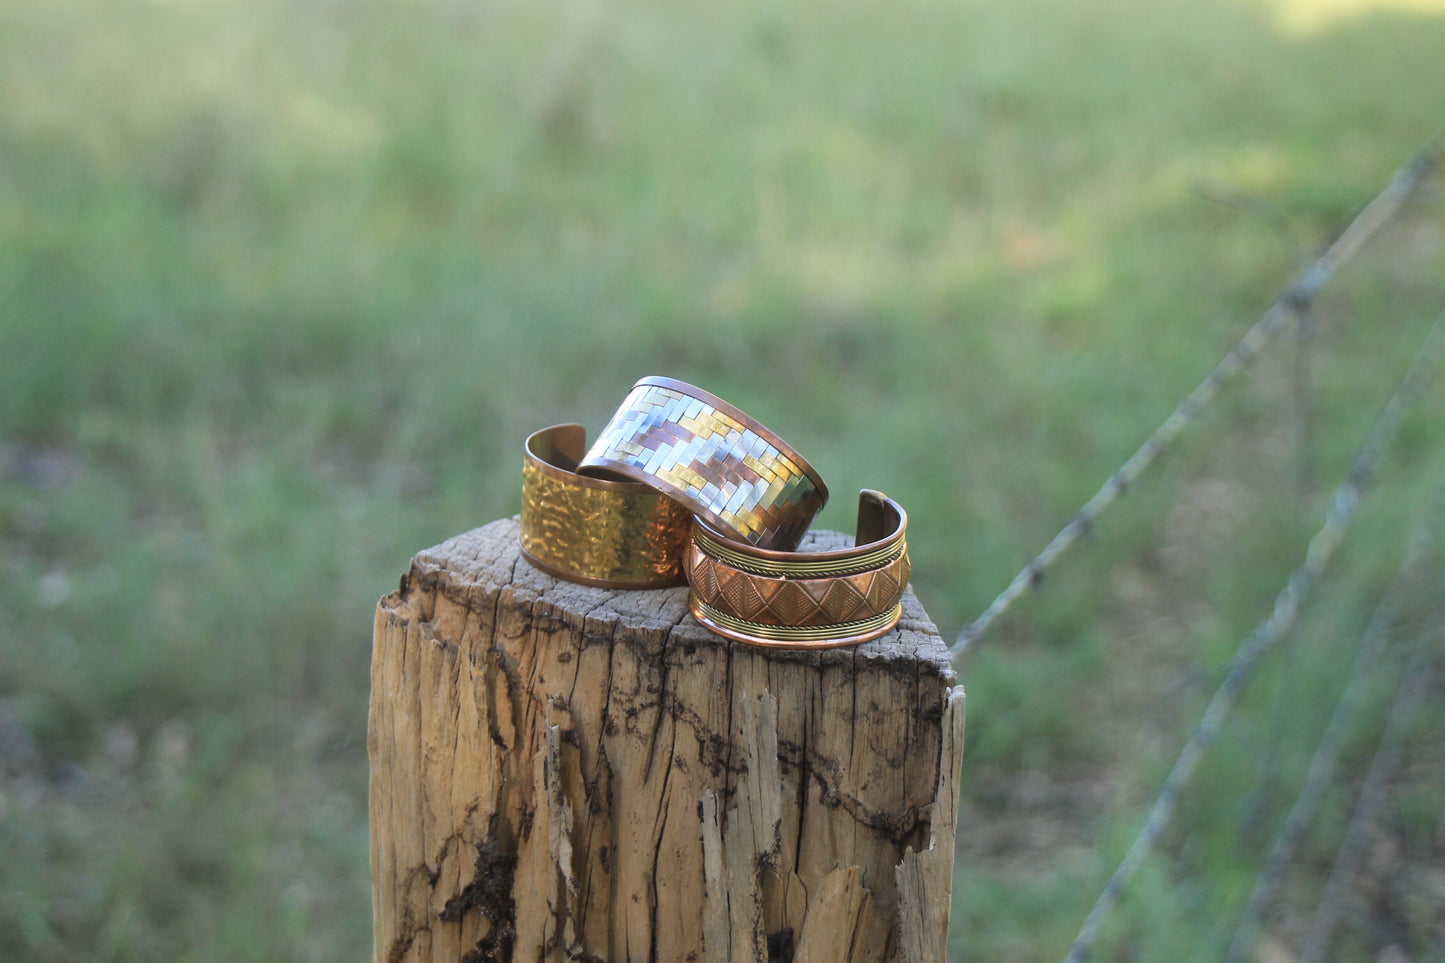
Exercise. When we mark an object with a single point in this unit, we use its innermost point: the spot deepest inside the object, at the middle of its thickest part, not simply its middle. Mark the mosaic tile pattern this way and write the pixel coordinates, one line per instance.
(713, 458)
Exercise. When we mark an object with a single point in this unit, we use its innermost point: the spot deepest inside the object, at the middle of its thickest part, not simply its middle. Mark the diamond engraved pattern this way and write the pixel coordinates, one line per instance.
(797, 601)
(724, 469)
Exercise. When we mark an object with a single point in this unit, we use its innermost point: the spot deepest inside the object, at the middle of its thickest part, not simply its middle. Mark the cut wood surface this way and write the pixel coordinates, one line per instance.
(561, 772)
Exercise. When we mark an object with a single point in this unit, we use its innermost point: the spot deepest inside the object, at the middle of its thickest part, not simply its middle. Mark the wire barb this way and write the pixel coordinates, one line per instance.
(1406, 583)
(1343, 505)
(1414, 689)
(1293, 301)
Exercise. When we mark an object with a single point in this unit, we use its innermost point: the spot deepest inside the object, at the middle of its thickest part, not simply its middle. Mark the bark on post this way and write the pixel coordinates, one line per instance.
(569, 773)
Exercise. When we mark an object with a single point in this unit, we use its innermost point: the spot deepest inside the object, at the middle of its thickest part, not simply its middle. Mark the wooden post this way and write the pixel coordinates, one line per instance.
(569, 773)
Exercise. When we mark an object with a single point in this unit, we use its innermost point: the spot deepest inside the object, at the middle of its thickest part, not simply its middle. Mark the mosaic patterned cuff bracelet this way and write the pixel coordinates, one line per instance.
(803, 599)
(597, 531)
(742, 479)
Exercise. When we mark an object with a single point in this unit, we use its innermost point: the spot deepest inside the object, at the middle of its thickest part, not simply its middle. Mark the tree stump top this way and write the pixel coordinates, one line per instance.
(488, 558)
(564, 772)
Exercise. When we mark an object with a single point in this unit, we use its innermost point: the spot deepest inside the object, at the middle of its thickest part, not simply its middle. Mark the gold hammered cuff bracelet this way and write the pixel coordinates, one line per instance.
(740, 478)
(803, 599)
(613, 534)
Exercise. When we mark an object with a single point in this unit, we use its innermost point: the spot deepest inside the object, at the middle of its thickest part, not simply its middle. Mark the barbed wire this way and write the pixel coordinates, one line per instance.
(1343, 506)
(1296, 300)
(1405, 585)
(1414, 688)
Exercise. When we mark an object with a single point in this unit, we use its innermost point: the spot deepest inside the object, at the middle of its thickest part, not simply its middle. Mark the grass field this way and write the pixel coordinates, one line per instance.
(283, 286)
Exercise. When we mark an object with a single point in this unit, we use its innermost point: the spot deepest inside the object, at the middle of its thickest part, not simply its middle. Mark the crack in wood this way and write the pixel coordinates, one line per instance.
(587, 718)
(897, 826)
(490, 893)
(407, 932)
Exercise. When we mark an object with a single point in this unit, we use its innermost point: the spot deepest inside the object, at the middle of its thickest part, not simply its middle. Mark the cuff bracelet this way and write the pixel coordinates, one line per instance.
(740, 478)
(613, 534)
(803, 599)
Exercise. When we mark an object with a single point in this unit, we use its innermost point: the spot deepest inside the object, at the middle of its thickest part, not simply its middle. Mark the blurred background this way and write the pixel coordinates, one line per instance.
(283, 286)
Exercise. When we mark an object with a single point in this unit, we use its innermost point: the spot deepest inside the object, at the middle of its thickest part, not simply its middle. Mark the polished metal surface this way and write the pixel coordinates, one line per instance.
(609, 533)
(801, 599)
(726, 467)
(794, 637)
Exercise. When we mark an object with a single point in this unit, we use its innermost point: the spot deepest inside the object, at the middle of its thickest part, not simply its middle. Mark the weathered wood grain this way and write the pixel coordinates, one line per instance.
(561, 772)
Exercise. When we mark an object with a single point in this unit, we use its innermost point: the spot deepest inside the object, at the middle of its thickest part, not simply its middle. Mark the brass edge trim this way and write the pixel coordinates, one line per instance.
(802, 567)
(841, 633)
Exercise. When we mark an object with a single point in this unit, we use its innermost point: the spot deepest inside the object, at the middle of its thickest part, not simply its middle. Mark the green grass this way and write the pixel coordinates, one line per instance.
(284, 285)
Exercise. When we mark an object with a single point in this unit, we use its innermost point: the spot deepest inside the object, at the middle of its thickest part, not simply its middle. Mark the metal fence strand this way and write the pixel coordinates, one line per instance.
(1295, 299)
(1343, 506)
(1407, 582)
(1414, 689)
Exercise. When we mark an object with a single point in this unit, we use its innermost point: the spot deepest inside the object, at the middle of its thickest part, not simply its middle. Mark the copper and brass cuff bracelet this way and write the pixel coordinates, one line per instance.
(740, 478)
(613, 534)
(803, 599)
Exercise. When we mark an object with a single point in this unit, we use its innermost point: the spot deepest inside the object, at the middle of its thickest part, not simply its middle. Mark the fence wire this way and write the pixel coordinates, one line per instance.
(1343, 506)
(1293, 303)
(1414, 689)
(1405, 586)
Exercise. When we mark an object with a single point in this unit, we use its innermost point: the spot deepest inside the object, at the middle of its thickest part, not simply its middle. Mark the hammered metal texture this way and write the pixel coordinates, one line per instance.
(606, 533)
(713, 458)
